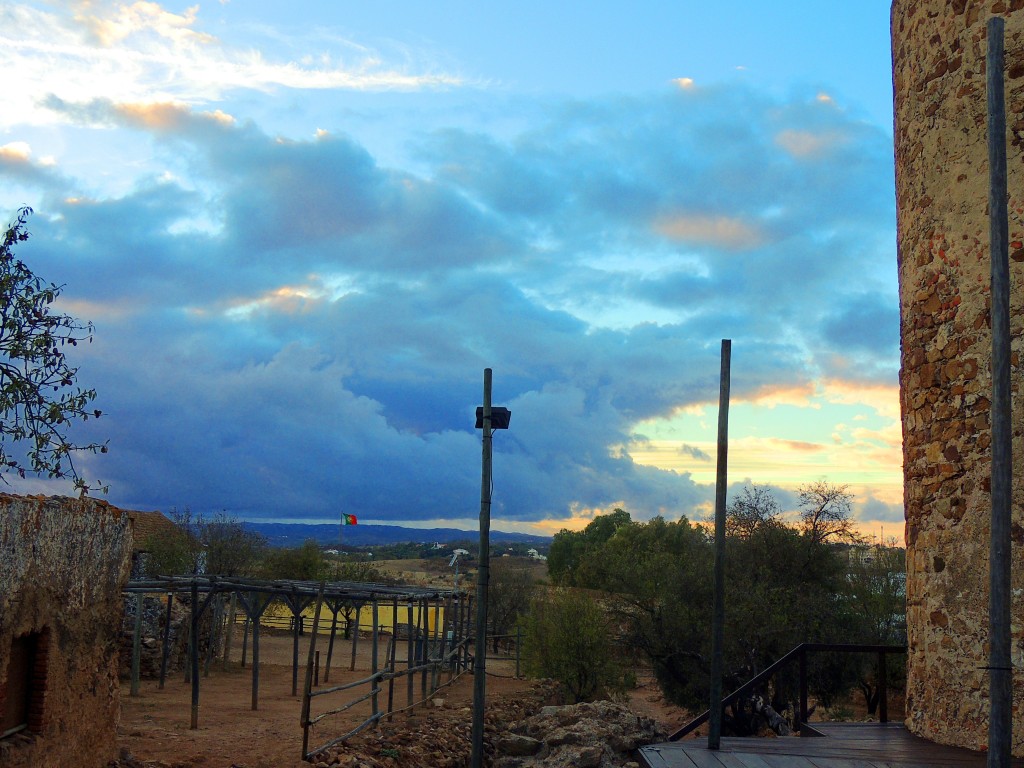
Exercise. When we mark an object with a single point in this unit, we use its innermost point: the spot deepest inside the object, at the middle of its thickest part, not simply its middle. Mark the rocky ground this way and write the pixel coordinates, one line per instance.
(522, 728)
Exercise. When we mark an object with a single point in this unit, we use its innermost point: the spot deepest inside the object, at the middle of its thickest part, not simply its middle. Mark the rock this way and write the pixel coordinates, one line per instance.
(589, 757)
(591, 735)
(518, 746)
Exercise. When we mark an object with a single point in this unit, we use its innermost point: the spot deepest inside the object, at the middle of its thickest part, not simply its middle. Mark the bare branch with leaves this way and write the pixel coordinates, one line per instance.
(39, 396)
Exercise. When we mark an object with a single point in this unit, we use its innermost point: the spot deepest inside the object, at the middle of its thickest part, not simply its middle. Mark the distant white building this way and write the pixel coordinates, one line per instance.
(533, 554)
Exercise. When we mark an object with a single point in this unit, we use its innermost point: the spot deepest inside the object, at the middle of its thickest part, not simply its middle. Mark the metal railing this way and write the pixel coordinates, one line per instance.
(799, 654)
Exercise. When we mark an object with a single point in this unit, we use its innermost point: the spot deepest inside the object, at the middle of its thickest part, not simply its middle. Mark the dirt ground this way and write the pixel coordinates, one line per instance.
(154, 728)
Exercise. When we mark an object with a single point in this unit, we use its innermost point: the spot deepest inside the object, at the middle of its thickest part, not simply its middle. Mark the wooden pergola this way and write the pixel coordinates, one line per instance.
(254, 596)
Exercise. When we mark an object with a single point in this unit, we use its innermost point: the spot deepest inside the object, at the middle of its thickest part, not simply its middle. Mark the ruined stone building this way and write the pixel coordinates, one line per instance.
(942, 192)
(63, 563)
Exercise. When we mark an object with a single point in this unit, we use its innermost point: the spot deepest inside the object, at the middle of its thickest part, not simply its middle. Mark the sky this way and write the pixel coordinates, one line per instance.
(302, 231)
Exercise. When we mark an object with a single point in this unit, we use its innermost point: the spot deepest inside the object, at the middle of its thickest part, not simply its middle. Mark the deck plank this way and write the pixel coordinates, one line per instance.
(844, 745)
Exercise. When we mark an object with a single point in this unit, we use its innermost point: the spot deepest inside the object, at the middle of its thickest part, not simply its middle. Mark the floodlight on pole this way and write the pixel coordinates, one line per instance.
(487, 419)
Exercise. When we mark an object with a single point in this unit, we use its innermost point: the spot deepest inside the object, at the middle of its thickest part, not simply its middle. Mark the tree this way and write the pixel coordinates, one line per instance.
(220, 547)
(826, 512)
(878, 602)
(303, 563)
(174, 553)
(754, 509)
(568, 548)
(509, 590)
(568, 639)
(230, 549)
(39, 398)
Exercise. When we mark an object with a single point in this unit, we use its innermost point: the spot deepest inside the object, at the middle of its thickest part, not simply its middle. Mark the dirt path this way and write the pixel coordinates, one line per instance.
(154, 726)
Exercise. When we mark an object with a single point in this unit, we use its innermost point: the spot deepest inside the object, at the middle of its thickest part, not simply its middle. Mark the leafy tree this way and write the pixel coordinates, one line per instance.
(230, 549)
(568, 548)
(509, 590)
(220, 547)
(302, 563)
(39, 398)
(781, 589)
(568, 639)
(176, 552)
(878, 602)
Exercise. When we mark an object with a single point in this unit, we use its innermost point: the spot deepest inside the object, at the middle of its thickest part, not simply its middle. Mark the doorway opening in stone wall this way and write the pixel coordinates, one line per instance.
(23, 692)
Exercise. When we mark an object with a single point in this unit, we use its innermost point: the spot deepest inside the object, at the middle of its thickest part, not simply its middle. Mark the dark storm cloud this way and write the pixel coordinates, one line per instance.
(300, 329)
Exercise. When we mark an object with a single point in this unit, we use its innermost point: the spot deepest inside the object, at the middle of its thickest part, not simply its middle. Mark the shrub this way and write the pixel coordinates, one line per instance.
(567, 639)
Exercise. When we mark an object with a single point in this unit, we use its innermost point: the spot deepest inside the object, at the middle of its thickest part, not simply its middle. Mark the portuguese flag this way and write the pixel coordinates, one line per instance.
(348, 520)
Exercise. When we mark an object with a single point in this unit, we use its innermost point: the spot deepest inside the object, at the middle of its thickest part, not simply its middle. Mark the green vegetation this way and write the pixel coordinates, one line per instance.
(809, 580)
(220, 546)
(567, 639)
(39, 398)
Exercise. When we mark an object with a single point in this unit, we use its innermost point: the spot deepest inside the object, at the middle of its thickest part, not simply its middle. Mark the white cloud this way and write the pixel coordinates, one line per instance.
(143, 53)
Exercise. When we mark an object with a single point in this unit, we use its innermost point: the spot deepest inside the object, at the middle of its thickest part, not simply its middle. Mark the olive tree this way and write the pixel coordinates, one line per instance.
(39, 395)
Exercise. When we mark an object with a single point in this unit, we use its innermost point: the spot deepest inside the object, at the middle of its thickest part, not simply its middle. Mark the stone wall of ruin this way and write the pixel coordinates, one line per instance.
(63, 563)
(942, 191)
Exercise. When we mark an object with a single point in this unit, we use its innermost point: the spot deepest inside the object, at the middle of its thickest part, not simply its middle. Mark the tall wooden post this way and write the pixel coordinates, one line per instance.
(230, 633)
(165, 652)
(374, 662)
(1000, 638)
(482, 578)
(137, 645)
(718, 614)
(194, 655)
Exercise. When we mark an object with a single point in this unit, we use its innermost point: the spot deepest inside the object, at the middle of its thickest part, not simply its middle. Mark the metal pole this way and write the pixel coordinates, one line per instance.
(480, 668)
(718, 615)
(1000, 666)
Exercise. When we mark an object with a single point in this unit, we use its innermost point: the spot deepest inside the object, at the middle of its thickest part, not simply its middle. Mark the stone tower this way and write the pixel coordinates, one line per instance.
(945, 383)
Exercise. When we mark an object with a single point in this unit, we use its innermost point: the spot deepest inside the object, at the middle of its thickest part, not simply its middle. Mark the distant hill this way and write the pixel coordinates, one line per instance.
(294, 534)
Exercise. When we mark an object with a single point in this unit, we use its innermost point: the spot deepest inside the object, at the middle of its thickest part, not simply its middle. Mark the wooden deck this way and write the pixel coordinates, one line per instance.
(843, 745)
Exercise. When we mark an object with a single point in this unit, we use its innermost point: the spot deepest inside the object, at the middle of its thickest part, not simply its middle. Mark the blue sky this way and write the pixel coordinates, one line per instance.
(302, 231)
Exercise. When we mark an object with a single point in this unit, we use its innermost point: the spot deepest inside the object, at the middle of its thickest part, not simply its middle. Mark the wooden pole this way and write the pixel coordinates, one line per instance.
(194, 654)
(137, 645)
(1000, 638)
(334, 605)
(423, 645)
(308, 687)
(410, 678)
(394, 642)
(167, 640)
(374, 661)
(355, 637)
(230, 634)
(256, 662)
(718, 612)
(391, 680)
(483, 574)
(245, 639)
(296, 619)
(215, 626)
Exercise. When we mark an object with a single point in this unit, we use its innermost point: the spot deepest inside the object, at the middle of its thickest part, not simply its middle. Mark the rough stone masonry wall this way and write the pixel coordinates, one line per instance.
(942, 190)
(63, 563)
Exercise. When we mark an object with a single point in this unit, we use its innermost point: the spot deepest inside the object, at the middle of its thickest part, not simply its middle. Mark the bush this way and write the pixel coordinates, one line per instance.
(567, 639)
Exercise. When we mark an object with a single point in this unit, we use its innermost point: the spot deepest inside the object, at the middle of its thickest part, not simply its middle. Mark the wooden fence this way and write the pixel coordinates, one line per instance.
(433, 652)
